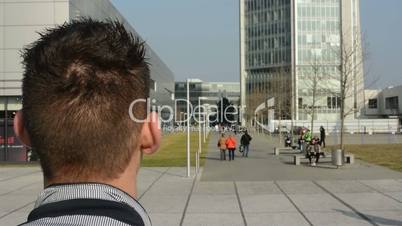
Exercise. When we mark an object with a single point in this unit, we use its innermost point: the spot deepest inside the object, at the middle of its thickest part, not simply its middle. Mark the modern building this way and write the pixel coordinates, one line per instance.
(386, 103)
(294, 51)
(208, 94)
(20, 22)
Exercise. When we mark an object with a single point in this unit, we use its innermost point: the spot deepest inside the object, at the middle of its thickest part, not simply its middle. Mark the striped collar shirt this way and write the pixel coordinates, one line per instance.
(57, 193)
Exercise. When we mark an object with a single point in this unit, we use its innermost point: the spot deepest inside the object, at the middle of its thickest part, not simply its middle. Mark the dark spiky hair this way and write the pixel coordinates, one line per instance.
(79, 81)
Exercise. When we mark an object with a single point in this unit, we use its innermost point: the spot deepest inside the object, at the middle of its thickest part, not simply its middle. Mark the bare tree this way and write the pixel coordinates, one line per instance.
(350, 77)
(312, 83)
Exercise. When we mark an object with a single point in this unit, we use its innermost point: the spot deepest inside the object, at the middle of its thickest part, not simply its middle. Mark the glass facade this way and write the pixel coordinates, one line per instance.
(210, 92)
(267, 51)
(11, 148)
(318, 32)
(290, 50)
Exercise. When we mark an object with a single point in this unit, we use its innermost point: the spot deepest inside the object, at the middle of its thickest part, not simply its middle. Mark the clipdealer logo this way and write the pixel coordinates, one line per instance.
(198, 113)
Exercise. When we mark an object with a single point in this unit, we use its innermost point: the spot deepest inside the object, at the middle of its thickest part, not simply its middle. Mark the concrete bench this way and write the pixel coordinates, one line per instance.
(349, 158)
(296, 159)
(277, 151)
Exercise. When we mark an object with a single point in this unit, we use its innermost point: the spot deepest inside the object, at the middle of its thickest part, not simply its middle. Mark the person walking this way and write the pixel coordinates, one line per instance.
(322, 136)
(222, 146)
(231, 146)
(301, 140)
(307, 139)
(245, 143)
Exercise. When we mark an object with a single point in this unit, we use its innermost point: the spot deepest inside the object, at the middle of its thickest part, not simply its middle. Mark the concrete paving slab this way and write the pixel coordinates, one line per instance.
(165, 219)
(317, 203)
(270, 219)
(336, 218)
(345, 186)
(164, 203)
(148, 176)
(213, 204)
(213, 219)
(370, 202)
(17, 217)
(257, 188)
(266, 204)
(7, 173)
(384, 185)
(170, 188)
(10, 202)
(31, 188)
(395, 195)
(300, 187)
(180, 172)
(385, 218)
(214, 188)
(18, 183)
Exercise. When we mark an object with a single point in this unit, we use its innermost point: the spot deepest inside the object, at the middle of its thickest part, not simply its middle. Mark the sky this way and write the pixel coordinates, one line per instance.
(200, 38)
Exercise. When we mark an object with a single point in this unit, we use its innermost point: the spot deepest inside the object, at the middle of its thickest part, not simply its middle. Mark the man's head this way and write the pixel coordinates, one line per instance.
(79, 81)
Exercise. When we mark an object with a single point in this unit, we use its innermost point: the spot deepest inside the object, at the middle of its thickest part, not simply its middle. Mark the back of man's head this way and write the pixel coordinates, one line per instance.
(79, 81)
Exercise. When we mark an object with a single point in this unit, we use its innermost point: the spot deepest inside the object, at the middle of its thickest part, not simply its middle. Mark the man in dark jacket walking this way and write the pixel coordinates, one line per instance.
(322, 136)
(245, 143)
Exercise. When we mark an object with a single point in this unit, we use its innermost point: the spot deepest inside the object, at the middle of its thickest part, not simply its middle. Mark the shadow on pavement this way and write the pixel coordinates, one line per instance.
(375, 219)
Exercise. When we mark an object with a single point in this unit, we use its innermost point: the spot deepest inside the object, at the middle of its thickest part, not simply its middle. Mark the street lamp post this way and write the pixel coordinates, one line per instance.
(199, 123)
(206, 122)
(188, 128)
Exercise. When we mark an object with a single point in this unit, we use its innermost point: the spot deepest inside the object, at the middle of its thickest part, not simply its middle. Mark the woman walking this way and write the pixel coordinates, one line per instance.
(231, 146)
(222, 146)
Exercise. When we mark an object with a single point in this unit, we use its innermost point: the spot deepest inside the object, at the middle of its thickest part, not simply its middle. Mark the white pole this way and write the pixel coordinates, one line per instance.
(188, 128)
(199, 125)
(180, 123)
(196, 163)
(205, 127)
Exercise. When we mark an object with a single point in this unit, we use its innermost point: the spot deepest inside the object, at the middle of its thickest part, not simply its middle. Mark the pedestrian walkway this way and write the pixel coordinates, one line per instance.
(262, 165)
(256, 191)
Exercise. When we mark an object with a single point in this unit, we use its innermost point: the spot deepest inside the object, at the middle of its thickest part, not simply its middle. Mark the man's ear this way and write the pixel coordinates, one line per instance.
(20, 130)
(150, 138)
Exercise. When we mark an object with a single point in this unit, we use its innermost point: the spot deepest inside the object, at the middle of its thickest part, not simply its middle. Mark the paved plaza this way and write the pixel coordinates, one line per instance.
(260, 190)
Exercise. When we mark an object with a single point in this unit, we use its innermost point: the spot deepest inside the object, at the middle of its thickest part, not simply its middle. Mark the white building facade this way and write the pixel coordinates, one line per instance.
(386, 103)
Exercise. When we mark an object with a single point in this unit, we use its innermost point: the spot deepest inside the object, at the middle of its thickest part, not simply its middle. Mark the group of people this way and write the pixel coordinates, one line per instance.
(229, 143)
(312, 145)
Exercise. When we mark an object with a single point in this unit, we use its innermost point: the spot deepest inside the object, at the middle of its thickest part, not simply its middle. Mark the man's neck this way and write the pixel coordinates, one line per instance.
(127, 181)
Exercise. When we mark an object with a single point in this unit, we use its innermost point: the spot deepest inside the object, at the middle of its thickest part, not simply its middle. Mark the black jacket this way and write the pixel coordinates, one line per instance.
(245, 139)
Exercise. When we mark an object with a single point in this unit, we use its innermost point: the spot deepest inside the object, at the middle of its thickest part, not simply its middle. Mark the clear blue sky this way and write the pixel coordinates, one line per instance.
(200, 38)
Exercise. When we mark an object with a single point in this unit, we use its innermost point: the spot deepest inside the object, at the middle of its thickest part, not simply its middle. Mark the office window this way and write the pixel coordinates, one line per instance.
(300, 103)
(391, 103)
(372, 104)
(333, 102)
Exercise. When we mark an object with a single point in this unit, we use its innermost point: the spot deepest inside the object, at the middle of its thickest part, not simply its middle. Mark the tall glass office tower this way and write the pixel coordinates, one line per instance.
(288, 46)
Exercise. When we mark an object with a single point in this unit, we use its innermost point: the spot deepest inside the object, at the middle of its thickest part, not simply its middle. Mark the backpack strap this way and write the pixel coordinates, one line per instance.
(89, 207)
